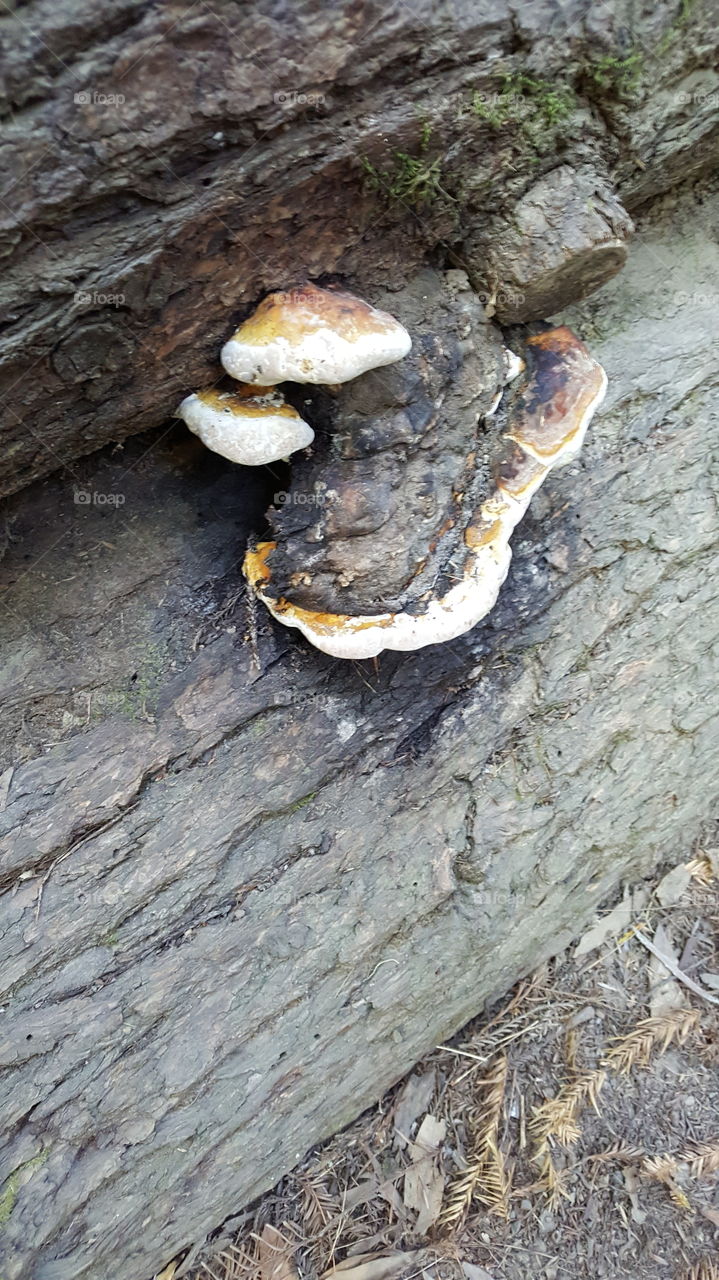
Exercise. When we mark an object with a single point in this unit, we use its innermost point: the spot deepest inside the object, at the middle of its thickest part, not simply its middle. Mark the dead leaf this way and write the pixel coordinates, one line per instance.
(665, 994)
(673, 884)
(368, 1190)
(412, 1101)
(711, 980)
(373, 1268)
(424, 1181)
(276, 1255)
(632, 1183)
(375, 1244)
(674, 969)
(688, 958)
(168, 1272)
(475, 1273)
(711, 1215)
(582, 1015)
(361, 1194)
(616, 922)
(388, 1191)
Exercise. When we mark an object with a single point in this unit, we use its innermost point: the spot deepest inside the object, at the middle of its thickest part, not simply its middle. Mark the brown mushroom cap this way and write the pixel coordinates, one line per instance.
(314, 335)
(553, 408)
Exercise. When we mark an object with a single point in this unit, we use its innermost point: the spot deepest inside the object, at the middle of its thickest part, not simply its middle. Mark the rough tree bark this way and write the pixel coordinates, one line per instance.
(244, 887)
(168, 163)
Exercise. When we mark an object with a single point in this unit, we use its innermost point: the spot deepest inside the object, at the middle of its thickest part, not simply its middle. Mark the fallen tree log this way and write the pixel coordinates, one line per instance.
(245, 886)
(169, 164)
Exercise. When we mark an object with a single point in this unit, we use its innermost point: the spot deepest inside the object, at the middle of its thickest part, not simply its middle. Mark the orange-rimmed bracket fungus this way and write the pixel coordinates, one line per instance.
(313, 335)
(403, 549)
(252, 425)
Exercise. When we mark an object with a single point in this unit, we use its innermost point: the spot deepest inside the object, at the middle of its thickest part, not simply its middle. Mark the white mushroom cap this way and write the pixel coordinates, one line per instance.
(247, 426)
(513, 365)
(313, 335)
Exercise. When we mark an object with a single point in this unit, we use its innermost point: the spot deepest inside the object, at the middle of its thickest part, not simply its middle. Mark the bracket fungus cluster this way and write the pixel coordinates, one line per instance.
(397, 532)
(306, 334)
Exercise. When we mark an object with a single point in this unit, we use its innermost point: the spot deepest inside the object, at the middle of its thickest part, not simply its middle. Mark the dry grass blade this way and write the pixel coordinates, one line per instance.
(319, 1207)
(635, 1049)
(492, 1186)
(701, 869)
(237, 1262)
(168, 1272)
(705, 1269)
(513, 1020)
(460, 1194)
(558, 1116)
(485, 1177)
(679, 1197)
(551, 1180)
(668, 962)
(660, 1167)
(664, 1169)
(557, 1119)
(517, 1001)
(703, 1160)
(571, 1044)
(621, 1151)
(323, 1215)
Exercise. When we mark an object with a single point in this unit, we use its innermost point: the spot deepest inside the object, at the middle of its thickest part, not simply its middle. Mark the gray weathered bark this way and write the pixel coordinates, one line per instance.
(245, 150)
(203, 870)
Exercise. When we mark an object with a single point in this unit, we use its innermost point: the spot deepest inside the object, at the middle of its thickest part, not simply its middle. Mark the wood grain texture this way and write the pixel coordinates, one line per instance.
(239, 900)
(166, 164)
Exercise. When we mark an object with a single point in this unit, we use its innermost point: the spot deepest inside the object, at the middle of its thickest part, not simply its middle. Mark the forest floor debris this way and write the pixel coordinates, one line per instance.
(572, 1132)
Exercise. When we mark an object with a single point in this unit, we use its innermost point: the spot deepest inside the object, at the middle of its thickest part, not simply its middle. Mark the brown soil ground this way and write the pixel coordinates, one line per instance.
(462, 1172)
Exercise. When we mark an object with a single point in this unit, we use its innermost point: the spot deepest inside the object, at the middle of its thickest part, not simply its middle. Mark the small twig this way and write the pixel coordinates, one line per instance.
(340, 1224)
(358, 672)
(674, 969)
(462, 1053)
(45, 879)
(251, 607)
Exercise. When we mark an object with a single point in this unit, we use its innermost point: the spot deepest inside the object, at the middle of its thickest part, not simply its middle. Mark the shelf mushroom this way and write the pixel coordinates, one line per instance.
(252, 425)
(313, 335)
(547, 419)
